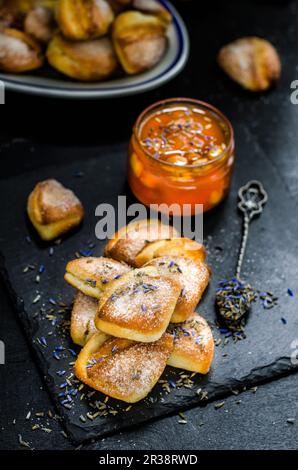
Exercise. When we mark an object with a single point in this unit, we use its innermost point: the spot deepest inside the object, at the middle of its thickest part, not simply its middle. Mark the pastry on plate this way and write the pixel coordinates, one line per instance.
(18, 52)
(140, 40)
(53, 209)
(121, 368)
(92, 275)
(90, 60)
(193, 278)
(154, 8)
(193, 345)
(82, 325)
(252, 62)
(40, 24)
(131, 239)
(175, 247)
(84, 19)
(138, 306)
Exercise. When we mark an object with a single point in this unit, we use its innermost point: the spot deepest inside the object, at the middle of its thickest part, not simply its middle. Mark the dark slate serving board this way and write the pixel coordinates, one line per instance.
(271, 264)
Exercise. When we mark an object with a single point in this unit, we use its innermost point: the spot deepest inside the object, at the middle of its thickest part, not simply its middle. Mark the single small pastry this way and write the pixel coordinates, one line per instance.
(193, 345)
(154, 8)
(82, 325)
(252, 62)
(88, 61)
(53, 209)
(121, 368)
(175, 247)
(131, 239)
(18, 52)
(138, 306)
(193, 278)
(84, 19)
(140, 40)
(92, 275)
(40, 24)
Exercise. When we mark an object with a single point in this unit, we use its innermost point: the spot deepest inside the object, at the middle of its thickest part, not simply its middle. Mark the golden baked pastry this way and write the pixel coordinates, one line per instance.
(174, 247)
(138, 306)
(84, 60)
(82, 325)
(84, 19)
(92, 275)
(154, 8)
(193, 278)
(18, 52)
(53, 209)
(131, 239)
(140, 40)
(121, 368)
(40, 24)
(252, 62)
(193, 345)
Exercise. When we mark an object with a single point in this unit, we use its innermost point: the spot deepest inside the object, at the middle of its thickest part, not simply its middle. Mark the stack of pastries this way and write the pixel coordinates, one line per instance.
(134, 310)
(87, 40)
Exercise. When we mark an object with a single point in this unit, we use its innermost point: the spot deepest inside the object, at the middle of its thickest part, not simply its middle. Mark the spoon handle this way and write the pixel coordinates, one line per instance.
(246, 221)
(252, 199)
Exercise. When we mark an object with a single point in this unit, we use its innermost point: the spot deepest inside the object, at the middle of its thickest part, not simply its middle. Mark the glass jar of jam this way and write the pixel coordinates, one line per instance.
(181, 152)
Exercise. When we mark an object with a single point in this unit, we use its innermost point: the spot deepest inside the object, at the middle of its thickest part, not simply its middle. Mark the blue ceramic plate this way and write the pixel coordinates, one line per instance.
(170, 65)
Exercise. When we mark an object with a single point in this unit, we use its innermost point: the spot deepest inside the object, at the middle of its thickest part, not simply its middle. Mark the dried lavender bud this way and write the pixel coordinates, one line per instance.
(233, 300)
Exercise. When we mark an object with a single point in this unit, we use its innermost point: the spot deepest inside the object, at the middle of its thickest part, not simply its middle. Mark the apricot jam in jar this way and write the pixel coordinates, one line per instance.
(181, 152)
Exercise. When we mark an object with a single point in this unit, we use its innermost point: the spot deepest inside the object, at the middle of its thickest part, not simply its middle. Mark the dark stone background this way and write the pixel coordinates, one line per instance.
(260, 420)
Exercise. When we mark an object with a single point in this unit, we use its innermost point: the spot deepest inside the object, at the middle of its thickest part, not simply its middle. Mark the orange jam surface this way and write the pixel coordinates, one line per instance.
(181, 153)
(182, 135)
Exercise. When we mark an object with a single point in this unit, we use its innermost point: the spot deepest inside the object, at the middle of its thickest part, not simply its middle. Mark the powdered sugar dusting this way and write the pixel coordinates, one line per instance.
(142, 303)
(11, 47)
(192, 276)
(99, 271)
(133, 368)
(54, 194)
(192, 337)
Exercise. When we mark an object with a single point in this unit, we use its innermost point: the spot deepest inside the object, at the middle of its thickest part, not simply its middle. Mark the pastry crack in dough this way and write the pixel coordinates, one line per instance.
(173, 247)
(131, 239)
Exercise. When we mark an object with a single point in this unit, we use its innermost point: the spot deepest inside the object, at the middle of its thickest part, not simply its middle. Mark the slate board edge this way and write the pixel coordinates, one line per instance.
(269, 372)
(18, 304)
